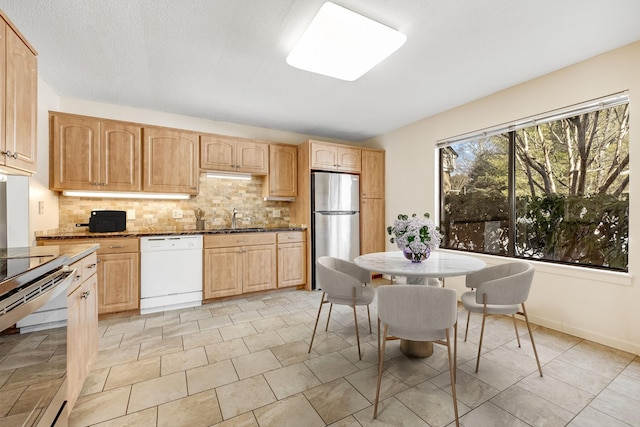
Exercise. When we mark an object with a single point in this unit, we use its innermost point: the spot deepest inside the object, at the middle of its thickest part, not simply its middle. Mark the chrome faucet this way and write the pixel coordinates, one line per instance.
(233, 218)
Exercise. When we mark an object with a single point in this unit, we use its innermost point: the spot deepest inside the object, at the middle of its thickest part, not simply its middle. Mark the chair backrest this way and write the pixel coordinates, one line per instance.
(503, 284)
(339, 277)
(411, 306)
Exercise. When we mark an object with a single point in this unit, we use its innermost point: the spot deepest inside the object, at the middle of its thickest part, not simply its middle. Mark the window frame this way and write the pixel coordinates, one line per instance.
(510, 130)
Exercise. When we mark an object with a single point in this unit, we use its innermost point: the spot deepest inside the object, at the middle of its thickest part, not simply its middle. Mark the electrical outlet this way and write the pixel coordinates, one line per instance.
(276, 213)
(177, 213)
(40, 207)
(131, 214)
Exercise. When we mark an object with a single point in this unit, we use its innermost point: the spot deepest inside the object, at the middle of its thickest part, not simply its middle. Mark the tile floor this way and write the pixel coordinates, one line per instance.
(244, 362)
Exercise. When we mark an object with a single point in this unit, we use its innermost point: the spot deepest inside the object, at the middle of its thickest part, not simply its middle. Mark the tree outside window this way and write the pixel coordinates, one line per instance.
(555, 191)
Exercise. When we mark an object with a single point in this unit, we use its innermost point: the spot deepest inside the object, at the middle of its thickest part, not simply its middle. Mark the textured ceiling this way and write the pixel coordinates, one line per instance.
(225, 60)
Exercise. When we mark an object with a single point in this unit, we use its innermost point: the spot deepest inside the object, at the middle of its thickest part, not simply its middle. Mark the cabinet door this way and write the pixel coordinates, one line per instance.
(283, 171)
(259, 268)
(218, 153)
(170, 161)
(120, 149)
(292, 263)
(252, 157)
(324, 156)
(82, 337)
(118, 282)
(222, 272)
(372, 227)
(74, 153)
(348, 159)
(372, 176)
(20, 104)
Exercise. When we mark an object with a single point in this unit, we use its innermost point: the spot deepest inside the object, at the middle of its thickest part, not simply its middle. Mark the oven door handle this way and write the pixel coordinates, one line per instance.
(34, 296)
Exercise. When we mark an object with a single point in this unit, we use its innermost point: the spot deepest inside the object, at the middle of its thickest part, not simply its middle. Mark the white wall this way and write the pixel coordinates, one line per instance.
(600, 306)
(39, 183)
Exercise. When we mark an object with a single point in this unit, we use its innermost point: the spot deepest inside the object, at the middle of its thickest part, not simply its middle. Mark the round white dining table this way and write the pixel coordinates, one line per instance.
(439, 264)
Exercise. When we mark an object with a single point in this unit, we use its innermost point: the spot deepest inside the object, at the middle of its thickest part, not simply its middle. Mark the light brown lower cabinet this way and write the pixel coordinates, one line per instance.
(292, 259)
(373, 231)
(118, 282)
(82, 326)
(239, 263)
(118, 268)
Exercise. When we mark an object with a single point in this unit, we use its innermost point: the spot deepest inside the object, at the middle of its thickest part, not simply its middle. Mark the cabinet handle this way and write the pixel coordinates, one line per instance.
(290, 237)
(85, 294)
(8, 153)
(116, 246)
(92, 265)
(78, 277)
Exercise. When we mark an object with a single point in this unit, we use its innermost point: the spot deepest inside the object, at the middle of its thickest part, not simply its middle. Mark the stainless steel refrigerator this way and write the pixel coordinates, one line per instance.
(335, 227)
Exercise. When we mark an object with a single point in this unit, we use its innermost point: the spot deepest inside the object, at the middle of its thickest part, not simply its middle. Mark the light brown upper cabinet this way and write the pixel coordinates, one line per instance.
(93, 154)
(18, 99)
(229, 154)
(334, 157)
(170, 161)
(282, 180)
(372, 176)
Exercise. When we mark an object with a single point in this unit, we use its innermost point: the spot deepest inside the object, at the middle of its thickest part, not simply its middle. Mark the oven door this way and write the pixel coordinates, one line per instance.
(34, 295)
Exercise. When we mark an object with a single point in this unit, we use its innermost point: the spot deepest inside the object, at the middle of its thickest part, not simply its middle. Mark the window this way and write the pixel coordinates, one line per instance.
(555, 188)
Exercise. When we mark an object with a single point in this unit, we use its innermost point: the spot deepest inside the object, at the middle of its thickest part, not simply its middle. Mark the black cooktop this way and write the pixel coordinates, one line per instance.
(18, 266)
(13, 266)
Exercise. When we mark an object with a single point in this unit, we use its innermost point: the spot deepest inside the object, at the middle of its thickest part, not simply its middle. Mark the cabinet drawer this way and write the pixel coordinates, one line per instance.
(239, 239)
(118, 246)
(77, 281)
(291, 236)
(89, 266)
(85, 268)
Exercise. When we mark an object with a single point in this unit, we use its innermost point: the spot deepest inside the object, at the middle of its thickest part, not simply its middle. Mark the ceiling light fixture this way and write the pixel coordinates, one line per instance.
(243, 176)
(343, 44)
(115, 195)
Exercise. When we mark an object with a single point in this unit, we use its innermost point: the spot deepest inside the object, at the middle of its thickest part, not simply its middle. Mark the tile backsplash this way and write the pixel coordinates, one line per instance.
(217, 197)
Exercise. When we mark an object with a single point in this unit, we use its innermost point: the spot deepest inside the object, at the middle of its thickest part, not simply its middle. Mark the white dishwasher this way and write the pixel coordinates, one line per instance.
(170, 272)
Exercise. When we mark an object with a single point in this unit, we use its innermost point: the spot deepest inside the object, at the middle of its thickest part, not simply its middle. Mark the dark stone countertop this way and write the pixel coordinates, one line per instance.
(59, 235)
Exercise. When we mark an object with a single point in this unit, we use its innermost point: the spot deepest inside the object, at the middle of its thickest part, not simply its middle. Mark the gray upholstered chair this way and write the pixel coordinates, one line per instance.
(418, 313)
(501, 289)
(343, 282)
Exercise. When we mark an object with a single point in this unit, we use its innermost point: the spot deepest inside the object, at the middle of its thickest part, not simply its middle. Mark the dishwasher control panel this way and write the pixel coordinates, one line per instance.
(169, 243)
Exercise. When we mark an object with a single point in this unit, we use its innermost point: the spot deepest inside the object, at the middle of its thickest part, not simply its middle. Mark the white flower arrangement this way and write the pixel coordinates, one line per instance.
(418, 235)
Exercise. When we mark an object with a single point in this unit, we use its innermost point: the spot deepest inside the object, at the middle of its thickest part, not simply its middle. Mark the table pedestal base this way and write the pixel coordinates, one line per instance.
(416, 348)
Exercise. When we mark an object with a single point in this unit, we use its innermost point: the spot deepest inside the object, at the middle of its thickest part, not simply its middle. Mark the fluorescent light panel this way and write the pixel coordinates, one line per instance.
(343, 44)
(243, 176)
(115, 195)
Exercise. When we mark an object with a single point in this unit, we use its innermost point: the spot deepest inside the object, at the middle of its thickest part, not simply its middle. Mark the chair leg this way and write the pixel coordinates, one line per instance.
(326, 328)
(316, 325)
(466, 330)
(484, 317)
(369, 316)
(455, 351)
(380, 362)
(515, 326)
(533, 344)
(452, 374)
(355, 320)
